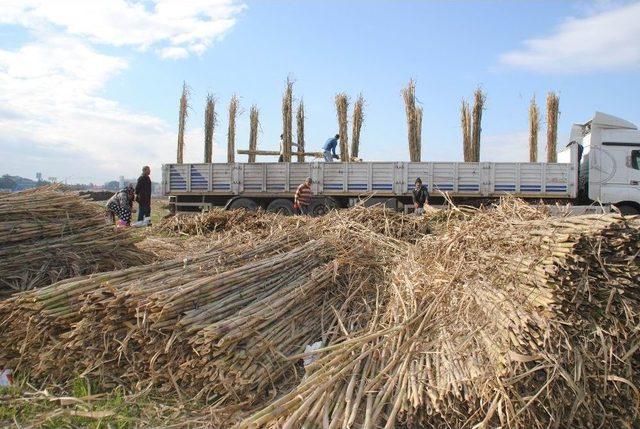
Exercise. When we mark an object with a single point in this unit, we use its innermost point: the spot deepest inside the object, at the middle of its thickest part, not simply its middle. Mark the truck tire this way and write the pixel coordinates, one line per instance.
(322, 206)
(282, 206)
(243, 203)
(628, 209)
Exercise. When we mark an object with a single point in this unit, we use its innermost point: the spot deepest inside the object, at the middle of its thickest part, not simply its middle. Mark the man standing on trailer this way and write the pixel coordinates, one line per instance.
(330, 148)
(302, 199)
(420, 196)
(143, 193)
(281, 158)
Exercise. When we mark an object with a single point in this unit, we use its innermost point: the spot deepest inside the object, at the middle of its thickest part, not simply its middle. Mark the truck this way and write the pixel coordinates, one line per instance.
(600, 166)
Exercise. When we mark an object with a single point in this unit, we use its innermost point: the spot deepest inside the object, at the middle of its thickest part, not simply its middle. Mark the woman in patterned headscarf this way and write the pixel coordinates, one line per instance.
(120, 204)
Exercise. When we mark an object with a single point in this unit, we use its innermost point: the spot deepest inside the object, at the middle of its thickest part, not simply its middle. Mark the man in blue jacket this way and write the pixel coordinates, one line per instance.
(330, 148)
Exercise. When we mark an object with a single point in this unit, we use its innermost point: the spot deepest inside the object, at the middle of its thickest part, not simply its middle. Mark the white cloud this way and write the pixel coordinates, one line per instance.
(173, 53)
(173, 25)
(54, 115)
(605, 41)
(54, 120)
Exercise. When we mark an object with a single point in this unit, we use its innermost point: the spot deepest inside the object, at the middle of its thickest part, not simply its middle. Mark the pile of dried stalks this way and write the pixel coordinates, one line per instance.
(342, 110)
(507, 318)
(534, 125)
(182, 121)
(510, 319)
(47, 235)
(553, 104)
(300, 130)
(414, 121)
(259, 224)
(220, 325)
(254, 123)
(231, 131)
(287, 121)
(358, 119)
(210, 121)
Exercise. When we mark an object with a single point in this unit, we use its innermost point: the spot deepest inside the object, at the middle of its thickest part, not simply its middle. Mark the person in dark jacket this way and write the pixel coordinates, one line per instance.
(120, 205)
(143, 193)
(420, 196)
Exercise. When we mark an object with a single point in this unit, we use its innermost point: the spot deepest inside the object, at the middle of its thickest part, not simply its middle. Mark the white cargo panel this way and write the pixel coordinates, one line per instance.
(465, 179)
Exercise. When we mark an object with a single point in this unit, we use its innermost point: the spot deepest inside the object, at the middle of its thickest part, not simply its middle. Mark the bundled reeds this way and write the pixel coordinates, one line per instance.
(287, 121)
(182, 120)
(219, 324)
(534, 125)
(300, 130)
(552, 126)
(358, 119)
(478, 105)
(414, 125)
(506, 318)
(231, 133)
(47, 235)
(210, 121)
(465, 125)
(254, 123)
(494, 328)
(342, 110)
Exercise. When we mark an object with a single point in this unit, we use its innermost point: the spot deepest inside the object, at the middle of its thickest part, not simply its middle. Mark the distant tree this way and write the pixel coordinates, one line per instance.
(7, 182)
(114, 185)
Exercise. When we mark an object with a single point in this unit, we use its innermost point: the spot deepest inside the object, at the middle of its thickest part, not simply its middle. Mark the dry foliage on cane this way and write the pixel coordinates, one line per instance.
(342, 110)
(210, 121)
(534, 125)
(47, 235)
(478, 105)
(231, 133)
(287, 121)
(219, 325)
(358, 119)
(414, 125)
(182, 120)
(254, 123)
(300, 130)
(509, 319)
(552, 126)
(465, 125)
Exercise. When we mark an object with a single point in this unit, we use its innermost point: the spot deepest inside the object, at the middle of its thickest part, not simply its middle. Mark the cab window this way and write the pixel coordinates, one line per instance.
(635, 159)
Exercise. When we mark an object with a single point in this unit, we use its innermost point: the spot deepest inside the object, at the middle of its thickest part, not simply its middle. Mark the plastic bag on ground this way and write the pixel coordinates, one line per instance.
(6, 379)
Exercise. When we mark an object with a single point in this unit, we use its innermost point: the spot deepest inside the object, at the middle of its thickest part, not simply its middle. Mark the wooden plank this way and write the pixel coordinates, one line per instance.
(273, 153)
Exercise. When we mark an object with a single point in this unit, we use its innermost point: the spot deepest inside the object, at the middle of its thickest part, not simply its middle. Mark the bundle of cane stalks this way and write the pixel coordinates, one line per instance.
(47, 235)
(261, 224)
(503, 321)
(220, 325)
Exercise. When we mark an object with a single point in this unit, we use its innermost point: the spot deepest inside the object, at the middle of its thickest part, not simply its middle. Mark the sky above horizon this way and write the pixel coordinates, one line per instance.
(89, 90)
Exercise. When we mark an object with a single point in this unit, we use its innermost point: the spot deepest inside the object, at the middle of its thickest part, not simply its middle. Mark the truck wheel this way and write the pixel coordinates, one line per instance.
(628, 210)
(322, 206)
(281, 206)
(243, 203)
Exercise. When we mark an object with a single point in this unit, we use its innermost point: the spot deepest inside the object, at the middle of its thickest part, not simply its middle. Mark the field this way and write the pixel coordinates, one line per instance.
(499, 316)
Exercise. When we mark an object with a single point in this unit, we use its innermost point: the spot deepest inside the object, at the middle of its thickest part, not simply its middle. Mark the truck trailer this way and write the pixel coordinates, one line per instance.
(600, 166)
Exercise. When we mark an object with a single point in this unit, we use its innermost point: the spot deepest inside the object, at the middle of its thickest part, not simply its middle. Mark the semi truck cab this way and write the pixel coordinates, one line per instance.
(609, 169)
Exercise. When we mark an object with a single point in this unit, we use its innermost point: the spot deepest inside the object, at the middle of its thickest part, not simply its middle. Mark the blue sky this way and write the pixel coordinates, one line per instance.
(88, 94)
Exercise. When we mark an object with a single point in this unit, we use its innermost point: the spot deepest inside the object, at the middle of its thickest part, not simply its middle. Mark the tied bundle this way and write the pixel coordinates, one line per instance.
(47, 236)
(510, 319)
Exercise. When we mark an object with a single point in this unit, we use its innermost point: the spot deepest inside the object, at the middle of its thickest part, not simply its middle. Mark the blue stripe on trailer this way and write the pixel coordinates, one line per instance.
(221, 186)
(469, 187)
(443, 186)
(333, 187)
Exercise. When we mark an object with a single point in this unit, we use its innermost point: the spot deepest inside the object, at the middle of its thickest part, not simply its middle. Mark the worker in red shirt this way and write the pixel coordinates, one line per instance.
(302, 199)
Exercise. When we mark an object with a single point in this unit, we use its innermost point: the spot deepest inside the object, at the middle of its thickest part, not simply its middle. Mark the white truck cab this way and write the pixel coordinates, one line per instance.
(609, 169)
